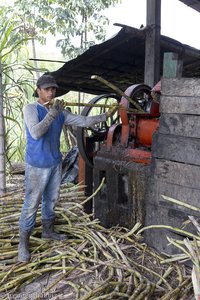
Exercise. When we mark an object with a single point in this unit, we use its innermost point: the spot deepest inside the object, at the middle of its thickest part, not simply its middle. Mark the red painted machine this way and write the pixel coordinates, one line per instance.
(136, 129)
(120, 152)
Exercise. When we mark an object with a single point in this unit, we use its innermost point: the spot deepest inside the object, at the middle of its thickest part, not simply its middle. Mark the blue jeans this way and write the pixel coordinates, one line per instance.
(41, 185)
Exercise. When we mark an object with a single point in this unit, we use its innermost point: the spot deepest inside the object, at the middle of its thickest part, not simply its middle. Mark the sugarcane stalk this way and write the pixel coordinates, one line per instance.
(146, 292)
(93, 105)
(138, 290)
(94, 247)
(196, 281)
(165, 275)
(65, 217)
(124, 258)
(195, 223)
(96, 191)
(181, 203)
(176, 258)
(174, 229)
(136, 280)
(179, 273)
(154, 273)
(98, 105)
(175, 292)
(57, 281)
(99, 288)
(117, 90)
(111, 296)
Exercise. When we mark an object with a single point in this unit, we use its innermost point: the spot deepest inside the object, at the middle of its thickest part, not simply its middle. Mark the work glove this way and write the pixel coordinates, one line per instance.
(112, 110)
(56, 108)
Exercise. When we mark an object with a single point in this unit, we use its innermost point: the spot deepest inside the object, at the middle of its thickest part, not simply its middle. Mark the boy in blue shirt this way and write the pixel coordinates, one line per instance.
(43, 160)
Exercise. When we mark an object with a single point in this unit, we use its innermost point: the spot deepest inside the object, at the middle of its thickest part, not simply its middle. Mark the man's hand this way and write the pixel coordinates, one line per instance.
(56, 108)
(112, 110)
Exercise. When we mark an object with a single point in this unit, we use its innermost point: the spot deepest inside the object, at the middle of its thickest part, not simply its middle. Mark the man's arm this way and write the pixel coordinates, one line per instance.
(36, 128)
(83, 121)
(88, 121)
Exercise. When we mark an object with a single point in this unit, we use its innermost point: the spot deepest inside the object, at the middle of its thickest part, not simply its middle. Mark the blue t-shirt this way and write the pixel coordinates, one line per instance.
(45, 151)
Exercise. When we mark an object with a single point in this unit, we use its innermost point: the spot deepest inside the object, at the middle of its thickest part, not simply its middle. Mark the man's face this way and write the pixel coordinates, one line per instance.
(46, 94)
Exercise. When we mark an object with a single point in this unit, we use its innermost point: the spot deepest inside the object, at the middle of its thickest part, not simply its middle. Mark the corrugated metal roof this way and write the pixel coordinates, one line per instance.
(195, 4)
(120, 60)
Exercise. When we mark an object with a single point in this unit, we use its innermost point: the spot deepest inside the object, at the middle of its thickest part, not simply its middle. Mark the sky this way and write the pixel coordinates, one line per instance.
(178, 21)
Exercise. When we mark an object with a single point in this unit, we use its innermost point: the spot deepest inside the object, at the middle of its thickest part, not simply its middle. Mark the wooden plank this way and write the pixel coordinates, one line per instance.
(165, 216)
(152, 43)
(180, 87)
(180, 105)
(157, 238)
(188, 195)
(176, 148)
(176, 173)
(182, 125)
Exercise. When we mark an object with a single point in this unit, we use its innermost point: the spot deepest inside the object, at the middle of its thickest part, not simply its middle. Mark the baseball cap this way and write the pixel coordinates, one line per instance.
(46, 81)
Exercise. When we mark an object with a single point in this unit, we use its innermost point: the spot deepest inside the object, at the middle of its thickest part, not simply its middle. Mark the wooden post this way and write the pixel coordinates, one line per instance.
(152, 43)
(172, 65)
(2, 141)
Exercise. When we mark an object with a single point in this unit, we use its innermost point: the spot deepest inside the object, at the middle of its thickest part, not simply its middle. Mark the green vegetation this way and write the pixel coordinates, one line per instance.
(22, 25)
(73, 20)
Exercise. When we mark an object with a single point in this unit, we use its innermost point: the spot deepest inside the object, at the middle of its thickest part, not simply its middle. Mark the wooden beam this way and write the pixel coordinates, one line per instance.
(152, 43)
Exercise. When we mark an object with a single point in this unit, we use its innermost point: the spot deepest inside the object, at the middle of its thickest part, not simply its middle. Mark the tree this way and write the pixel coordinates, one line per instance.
(69, 19)
(11, 85)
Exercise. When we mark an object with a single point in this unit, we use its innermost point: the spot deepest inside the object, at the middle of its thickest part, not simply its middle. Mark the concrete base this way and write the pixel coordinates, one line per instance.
(121, 200)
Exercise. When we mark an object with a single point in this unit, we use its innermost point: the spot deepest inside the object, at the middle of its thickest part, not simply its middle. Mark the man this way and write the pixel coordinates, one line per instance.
(43, 123)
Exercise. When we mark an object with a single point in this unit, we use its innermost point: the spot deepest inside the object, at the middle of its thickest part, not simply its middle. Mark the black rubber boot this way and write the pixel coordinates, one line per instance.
(23, 248)
(49, 233)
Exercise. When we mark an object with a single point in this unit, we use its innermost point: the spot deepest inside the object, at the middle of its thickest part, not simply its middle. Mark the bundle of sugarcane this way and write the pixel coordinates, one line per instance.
(94, 263)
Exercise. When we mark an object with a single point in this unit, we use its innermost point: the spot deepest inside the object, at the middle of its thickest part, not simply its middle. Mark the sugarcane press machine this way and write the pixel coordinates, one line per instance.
(118, 153)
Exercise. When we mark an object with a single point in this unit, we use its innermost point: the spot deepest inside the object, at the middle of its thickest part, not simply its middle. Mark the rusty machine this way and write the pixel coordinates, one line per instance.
(117, 154)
